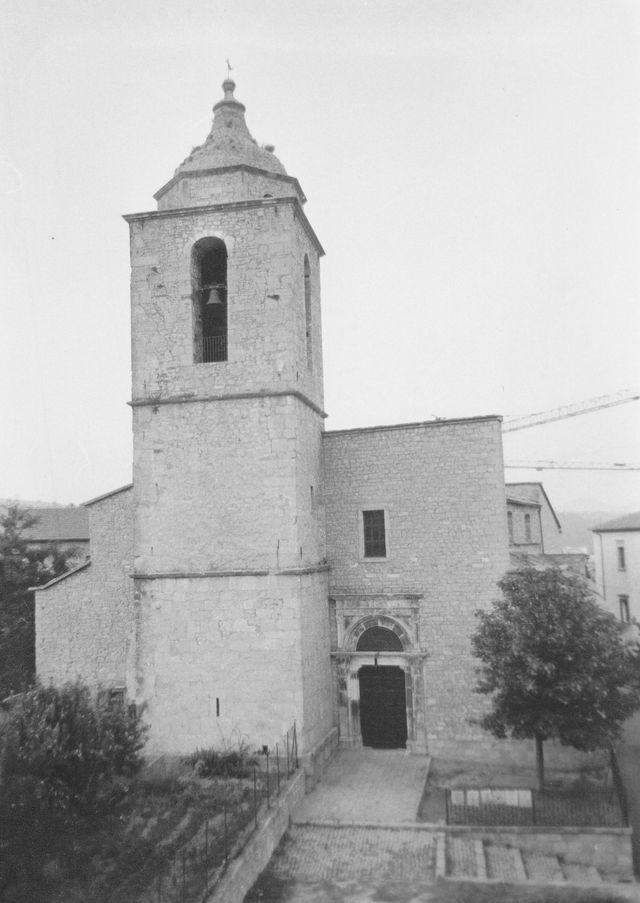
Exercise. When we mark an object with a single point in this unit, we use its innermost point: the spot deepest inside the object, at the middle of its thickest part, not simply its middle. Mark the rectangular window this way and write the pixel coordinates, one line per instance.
(624, 608)
(622, 563)
(375, 545)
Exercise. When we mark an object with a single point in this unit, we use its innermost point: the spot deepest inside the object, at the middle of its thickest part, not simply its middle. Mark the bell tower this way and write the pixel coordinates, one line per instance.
(230, 574)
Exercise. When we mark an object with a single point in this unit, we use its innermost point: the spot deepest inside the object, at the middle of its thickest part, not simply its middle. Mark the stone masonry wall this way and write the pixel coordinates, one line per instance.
(198, 189)
(220, 660)
(226, 486)
(84, 621)
(266, 243)
(442, 486)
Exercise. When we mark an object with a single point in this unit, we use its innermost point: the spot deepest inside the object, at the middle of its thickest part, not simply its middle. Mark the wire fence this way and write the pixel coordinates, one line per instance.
(192, 874)
(587, 807)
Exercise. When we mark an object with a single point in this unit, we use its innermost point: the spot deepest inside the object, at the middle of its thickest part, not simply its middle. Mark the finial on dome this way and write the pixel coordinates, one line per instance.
(229, 86)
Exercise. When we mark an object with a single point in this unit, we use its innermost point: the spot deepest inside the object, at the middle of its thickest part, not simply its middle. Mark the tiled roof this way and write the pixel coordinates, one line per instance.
(626, 522)
(58, 524)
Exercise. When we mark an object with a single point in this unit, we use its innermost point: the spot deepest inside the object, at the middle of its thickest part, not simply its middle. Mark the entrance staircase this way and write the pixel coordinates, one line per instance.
(467, 859)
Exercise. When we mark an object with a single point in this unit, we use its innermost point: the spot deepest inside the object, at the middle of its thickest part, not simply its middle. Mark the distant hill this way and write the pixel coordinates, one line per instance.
(576, 527)
(30, 503)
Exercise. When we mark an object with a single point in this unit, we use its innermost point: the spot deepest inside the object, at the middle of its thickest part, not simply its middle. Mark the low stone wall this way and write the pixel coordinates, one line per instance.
(608, 849)
(243, 872)
(315, 761)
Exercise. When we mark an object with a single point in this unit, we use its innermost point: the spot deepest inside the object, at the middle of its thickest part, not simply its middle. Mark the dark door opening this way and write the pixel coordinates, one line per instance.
(383, 707)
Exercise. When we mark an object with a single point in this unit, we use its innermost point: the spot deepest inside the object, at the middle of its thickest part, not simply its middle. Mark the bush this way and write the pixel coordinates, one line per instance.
(210, 763)
(70, 744)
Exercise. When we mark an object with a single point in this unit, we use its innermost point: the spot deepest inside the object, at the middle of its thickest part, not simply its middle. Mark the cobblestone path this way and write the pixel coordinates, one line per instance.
(355, 853)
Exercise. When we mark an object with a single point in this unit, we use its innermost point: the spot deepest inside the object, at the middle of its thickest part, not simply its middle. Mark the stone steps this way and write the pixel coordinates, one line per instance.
(466, 858)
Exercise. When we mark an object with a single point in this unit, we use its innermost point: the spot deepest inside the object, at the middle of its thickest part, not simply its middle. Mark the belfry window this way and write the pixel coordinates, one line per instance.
(307, 311)
(209, 278)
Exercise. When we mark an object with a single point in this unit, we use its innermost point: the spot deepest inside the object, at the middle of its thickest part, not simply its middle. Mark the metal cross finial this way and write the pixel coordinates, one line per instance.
(229, 68)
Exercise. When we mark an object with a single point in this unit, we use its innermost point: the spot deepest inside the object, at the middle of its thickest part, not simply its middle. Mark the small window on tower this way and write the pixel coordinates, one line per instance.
(527, 528)
(622, 561)
(209, 277)
(624, 609)
(374, 533)
(510, 525)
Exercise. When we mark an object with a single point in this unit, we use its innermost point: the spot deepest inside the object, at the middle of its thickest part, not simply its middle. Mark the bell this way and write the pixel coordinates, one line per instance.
(214, 295)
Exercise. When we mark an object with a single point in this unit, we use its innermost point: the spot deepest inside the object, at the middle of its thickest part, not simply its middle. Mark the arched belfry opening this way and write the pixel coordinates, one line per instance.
(307, 312)
(209, 277)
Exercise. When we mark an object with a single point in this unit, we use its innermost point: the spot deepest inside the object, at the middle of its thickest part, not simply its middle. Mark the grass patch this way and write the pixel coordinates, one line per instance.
(114, 855)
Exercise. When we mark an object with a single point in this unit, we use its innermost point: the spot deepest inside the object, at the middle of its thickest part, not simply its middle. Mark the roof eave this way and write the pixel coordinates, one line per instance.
(235, 167)
(107, 495)
(60, 577)
(232, 205)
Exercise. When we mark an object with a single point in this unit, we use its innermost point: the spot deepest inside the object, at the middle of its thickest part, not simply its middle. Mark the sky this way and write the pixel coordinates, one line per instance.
(472, 173)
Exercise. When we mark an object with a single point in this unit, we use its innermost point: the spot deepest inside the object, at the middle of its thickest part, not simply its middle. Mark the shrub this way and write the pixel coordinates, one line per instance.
(231, 763)
(72, 743)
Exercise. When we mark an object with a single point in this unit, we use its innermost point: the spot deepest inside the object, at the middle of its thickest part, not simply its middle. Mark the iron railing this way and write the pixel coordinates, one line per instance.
(592, 807)
(193, 873)
(214, 349)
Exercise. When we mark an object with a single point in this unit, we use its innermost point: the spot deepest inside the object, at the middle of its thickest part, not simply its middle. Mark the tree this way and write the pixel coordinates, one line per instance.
(21, 567)
(556, 664)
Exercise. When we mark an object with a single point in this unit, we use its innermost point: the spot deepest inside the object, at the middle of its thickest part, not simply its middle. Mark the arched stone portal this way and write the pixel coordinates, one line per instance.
(378, 669)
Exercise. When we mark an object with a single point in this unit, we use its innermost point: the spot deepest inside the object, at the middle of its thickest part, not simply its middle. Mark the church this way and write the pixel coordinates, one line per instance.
(260, 570)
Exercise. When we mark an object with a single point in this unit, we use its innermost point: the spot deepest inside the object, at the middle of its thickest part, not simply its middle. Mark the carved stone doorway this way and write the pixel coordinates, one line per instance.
(383, 707)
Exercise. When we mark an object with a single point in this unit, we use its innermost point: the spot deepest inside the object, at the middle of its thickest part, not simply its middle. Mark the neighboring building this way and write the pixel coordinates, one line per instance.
(535, 531)
(66, 528)
(532, 523)
(260, 571)
(617, 555)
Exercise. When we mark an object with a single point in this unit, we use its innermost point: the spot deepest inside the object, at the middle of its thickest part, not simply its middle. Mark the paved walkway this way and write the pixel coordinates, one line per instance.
(356, 853)
(373, 786)
(355, 839)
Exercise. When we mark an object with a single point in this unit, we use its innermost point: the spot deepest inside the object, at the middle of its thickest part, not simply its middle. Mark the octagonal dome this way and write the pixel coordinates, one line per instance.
(230, 142)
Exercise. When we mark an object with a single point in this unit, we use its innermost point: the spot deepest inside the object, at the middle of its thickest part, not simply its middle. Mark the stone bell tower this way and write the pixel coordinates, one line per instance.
(230, 575)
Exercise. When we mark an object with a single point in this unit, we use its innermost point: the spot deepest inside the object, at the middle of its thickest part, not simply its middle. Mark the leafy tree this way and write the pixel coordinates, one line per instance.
(21, 567)
(556, 664)
(73, 742)
(61, 750)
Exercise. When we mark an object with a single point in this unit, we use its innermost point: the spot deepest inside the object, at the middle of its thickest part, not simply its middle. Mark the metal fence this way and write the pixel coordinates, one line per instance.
(214, 348)
(589, 807)
(192, 874)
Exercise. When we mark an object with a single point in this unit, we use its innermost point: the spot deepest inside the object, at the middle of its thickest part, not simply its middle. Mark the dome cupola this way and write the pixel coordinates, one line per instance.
(229, 147)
